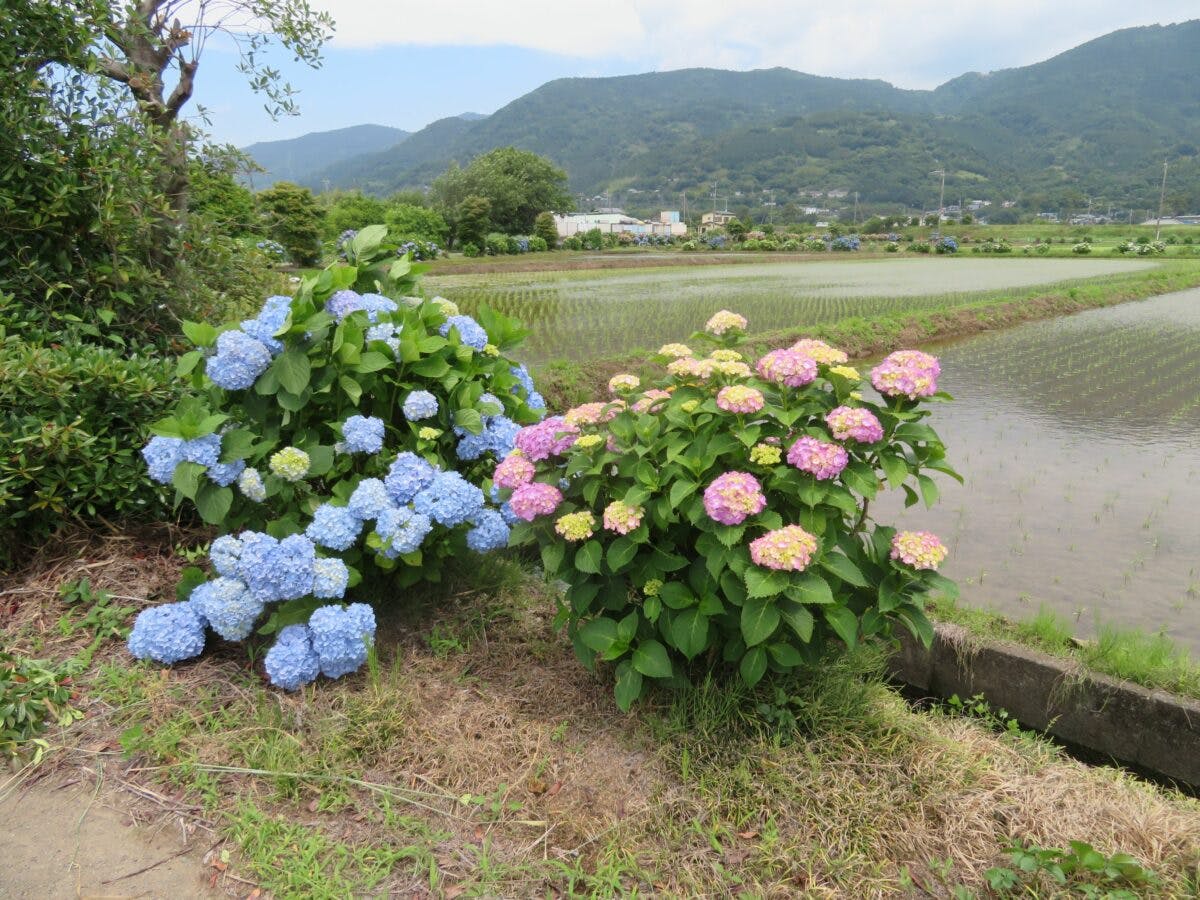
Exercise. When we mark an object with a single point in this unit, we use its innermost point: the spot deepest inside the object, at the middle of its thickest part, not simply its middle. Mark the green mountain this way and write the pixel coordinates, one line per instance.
(300, 158)
(1093, 124)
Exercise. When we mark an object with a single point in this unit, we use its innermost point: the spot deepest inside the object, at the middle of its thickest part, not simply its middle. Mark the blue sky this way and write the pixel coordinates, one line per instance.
(400, 63)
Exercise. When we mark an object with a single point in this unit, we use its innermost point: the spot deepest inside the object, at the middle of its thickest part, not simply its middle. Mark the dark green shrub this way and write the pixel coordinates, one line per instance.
(291, 216)
(72, 422)
(471, 250)
(496, 244)
(544, 227)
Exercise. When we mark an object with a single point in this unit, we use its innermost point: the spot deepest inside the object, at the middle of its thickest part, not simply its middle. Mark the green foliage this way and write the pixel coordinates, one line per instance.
(1082, 869)
(72, 420)
(33, 696)
(674, 592)
(404, 220)
(216, 195)
(290, 215)
(348, 211)
(544, 227)
(496, 244)
(470, 219)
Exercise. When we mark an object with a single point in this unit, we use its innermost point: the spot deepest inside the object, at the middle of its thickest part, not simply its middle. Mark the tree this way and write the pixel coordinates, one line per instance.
(292, 217)
(350, 210)
(153, 48)
(544, 227)
(472, 220)
(517, 184)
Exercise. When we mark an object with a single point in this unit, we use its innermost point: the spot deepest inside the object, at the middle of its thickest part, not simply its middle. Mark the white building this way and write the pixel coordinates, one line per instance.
(668, 224)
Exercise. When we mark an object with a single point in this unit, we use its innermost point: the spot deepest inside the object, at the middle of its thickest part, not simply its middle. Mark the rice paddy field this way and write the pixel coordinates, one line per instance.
(583, 315)
(1079, 442)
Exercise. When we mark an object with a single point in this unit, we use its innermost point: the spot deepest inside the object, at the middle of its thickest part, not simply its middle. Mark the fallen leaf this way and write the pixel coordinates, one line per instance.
(554, 789)
(746, 835)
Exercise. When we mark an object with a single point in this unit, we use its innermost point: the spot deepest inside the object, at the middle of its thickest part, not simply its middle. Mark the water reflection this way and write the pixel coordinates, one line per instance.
(1079, 440)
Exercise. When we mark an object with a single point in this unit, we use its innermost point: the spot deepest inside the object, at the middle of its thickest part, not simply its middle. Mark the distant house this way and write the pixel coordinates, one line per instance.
(668, 224)
(1048, 217)
(837, 194)
(1174, 220)
(711, 220)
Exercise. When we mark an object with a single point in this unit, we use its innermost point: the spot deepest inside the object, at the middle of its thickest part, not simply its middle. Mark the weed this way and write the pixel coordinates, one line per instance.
(1082, 868)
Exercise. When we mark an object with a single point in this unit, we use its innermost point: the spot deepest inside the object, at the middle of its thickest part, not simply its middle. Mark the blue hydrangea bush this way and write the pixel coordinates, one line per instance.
(341, 440)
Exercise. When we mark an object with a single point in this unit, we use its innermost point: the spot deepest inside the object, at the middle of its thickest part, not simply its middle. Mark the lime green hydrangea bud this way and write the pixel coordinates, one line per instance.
(588, 441)
(429, 434)
(448, 307)
(846, 372)
(689, 406)
(765, 454)
(652, 587)
(491, 350)
(576, 526)
(290, 464)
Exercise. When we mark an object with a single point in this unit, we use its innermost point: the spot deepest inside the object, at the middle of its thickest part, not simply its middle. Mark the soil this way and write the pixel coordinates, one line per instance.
(65, 841)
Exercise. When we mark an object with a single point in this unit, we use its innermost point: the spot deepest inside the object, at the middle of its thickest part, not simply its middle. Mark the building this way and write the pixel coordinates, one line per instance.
(711, 220)
(1174, 220)
(667, 225)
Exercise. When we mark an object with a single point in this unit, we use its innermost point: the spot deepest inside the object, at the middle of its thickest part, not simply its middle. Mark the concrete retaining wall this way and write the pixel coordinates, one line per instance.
(1155, 730)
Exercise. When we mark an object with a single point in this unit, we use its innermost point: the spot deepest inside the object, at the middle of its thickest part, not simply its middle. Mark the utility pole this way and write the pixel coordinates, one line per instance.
(1161, 197)
(856, 207)
(941, 201)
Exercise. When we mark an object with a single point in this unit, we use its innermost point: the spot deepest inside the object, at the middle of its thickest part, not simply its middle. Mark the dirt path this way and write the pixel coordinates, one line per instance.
(63, 842)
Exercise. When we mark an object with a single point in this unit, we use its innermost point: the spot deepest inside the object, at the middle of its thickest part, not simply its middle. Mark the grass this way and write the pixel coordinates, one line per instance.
(476, 757)
(1152, 660)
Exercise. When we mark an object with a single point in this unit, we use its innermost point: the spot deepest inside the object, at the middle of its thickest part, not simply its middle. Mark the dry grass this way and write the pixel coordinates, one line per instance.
(483, 756)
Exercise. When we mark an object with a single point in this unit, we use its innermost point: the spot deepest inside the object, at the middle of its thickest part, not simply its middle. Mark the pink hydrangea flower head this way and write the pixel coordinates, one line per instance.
(652, 401)
(787, 367)
(611, 445)
(732, 497)
(612, 409)
(550, 437)
(724, 321)
(513, 471)
(737, 398)
(788, 549)
(820, 351)
(584, 414)
(854, 423)
(536, 499)
(621, 517)
(919, 549)
(687, 367)
(907, 373)
(820, 459)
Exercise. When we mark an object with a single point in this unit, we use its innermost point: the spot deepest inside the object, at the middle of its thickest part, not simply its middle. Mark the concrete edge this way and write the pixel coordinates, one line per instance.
(1152, 729)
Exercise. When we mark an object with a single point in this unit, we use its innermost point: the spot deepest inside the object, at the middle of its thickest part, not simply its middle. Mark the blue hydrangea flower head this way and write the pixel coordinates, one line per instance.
(537, 403)
(369, 499)
(470, 332)
(408, 474)
(238, 362)
(225, 474)
(490, 400)
(343, 303)
(334, 527)
(271, 318)
(471, 446)
(162, 455)
(167, 634)
(205, 450)
(291, 662)
(403, 530)
(510, 517)
(224, 553)
(490, 532)
(228, 606)
(252, 563)
(449, 499)
(420, 405)
(363, 434)
(330, 578)
(375, 304)
(341, 637)
(501, 435)
(288, 572)
(388, 333)
(521, 373)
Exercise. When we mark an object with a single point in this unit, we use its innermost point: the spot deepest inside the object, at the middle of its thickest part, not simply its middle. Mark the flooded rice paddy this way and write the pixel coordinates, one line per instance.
(589, 314)
(1079, 440)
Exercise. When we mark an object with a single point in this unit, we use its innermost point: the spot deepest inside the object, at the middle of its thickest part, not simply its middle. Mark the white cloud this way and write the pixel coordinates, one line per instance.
(917, 43)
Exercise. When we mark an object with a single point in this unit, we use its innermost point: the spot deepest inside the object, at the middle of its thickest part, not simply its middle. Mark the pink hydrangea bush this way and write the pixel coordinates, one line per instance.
(721, 516)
